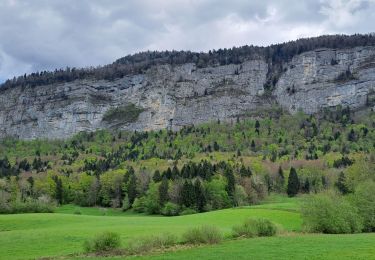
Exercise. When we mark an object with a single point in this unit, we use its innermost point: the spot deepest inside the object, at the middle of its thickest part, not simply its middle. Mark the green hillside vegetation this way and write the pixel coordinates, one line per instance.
(197, 169)
(281, 175)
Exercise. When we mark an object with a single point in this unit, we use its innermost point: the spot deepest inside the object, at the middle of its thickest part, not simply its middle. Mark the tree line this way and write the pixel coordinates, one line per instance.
(275, 55)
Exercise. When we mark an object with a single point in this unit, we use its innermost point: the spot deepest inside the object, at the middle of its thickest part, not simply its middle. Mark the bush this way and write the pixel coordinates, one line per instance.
(150, 243)
(105, 241)
(364, 199)
(139, 205)
(203, 235)
(170, 209)
(188, 211)
(255, 227)
(330, 213)
(124, 114)
(40, 205)
(77, 211)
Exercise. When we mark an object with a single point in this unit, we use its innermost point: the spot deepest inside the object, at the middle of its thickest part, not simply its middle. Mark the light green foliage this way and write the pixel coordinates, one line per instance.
(361, 170)
(364, 199)
(151, 201)
(217, 196)
(111, 187)
(330, 213)
(170, 209)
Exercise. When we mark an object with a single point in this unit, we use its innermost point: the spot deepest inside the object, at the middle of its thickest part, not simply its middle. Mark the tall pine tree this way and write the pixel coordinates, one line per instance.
(163, 191)
(293, 183)
(199, 195)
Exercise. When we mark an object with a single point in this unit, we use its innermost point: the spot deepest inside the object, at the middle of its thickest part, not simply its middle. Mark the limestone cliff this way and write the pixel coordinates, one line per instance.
(177, 95)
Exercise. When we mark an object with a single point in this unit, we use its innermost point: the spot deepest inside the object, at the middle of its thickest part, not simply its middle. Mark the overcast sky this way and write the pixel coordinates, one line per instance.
(47, 34)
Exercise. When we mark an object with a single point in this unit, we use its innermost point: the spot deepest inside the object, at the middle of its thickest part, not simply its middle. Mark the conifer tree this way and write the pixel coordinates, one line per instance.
(199, 195)
(230, 182)
(163, 191)
(293, 183)
(156, 177)
(187, 194)
(132, 188)
(341, 184)
(58, 189)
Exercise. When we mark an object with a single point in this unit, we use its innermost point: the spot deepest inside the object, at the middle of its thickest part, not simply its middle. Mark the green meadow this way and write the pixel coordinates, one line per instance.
(26, 236)
(32, 236)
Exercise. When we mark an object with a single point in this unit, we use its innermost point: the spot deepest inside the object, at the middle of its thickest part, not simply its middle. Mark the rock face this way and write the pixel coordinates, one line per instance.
(174, 96)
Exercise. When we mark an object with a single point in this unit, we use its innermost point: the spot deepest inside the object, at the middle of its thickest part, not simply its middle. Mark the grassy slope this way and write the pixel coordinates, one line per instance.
(27, 236)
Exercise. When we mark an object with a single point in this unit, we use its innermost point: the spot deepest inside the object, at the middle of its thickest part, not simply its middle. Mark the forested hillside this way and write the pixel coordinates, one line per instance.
(199, 168)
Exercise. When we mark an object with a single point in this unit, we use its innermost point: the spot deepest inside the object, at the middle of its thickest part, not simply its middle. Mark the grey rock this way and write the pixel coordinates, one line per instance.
(175, 96)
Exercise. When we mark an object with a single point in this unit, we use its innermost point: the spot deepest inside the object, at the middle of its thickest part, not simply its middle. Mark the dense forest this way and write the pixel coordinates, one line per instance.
(199, 168)
(275, 55)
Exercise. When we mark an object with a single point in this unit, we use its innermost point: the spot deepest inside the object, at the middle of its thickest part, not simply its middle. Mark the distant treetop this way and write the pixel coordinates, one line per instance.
(275, 55)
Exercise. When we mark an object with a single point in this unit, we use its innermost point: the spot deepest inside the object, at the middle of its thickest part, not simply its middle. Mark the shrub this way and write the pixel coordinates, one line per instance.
(77, 211)
(330, 213)
(203, 235)
(170, 209)
(40, 205)
(124, 114)
(150, 243)
(255, 227)
(364, 199)
(188, 211)
(105, 241)
(139, 205)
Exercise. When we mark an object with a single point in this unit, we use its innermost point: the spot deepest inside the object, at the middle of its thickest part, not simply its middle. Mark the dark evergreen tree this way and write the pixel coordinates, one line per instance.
(167, 174)
(253, 148)
(163, 191)
(187, 194)
(245, 172)
(230, 187)
(132, 188)
(216, 146)
(306, 186)
(175, 172)
(352, 137)
(199, 195)
(257, 126)
(58, 189)
(157, 177)
(293, 183)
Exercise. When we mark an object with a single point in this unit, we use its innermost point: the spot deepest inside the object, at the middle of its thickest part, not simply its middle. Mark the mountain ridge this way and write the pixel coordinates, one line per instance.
(156, 94)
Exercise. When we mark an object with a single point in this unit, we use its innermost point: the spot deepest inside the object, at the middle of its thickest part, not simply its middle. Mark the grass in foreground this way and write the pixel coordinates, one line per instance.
(312, 246)
(26, 236)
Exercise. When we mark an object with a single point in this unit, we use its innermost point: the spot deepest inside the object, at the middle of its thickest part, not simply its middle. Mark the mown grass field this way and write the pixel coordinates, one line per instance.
(30, 236)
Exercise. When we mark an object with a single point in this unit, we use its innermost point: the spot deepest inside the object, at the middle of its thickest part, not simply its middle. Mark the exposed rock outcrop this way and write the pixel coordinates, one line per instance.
(174, 96)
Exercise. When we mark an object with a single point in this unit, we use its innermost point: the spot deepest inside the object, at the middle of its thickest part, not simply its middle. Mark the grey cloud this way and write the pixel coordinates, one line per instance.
(44, 35)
